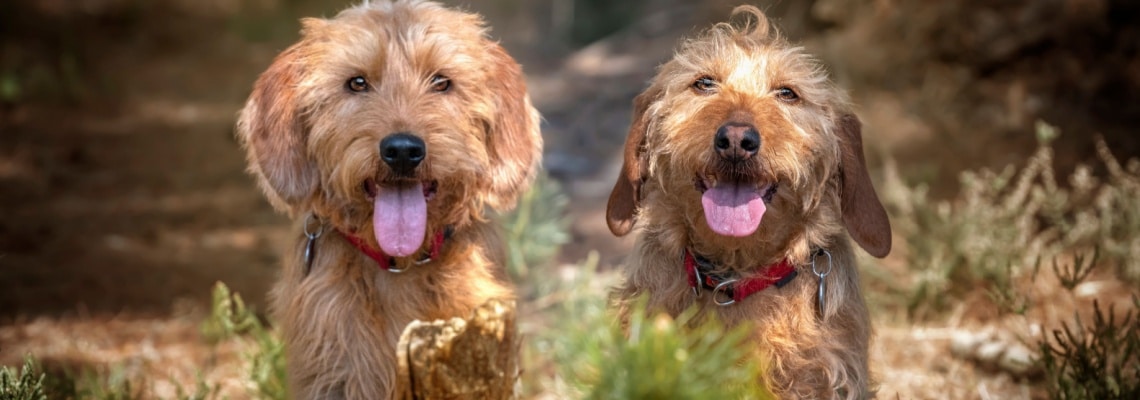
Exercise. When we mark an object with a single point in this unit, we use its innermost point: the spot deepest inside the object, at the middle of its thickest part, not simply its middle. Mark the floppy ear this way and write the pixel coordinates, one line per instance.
(863, 214)
(514, 140)
(273, 133)
(624, 199)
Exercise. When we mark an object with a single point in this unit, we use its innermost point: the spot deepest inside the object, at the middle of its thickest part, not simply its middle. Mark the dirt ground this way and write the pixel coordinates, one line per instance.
(124, 197)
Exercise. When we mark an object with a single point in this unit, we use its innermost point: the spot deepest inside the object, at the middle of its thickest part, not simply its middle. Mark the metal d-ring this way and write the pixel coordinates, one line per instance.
(721, 288)
(392, 269)
(392, 261)
(822, 281)
(311, 245)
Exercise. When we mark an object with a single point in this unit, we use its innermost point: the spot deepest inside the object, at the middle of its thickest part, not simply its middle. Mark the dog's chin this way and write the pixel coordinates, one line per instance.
(399, 213)
(734, 206)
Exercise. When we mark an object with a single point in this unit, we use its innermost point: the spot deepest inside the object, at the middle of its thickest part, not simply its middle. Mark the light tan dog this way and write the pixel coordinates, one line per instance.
(387, 130)
(743, 166)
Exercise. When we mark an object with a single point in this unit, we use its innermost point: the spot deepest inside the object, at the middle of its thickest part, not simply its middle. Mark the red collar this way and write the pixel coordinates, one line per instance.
(698, 269)
(385, 261)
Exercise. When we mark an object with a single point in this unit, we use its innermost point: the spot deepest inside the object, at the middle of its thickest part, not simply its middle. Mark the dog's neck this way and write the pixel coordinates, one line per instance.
(699, 271)
(387, 262)
(736, 257)
(314, 228)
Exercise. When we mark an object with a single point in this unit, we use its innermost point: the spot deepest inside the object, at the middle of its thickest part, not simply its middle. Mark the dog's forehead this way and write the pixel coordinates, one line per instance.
(755, 64)
(413, 20)
(420, 34)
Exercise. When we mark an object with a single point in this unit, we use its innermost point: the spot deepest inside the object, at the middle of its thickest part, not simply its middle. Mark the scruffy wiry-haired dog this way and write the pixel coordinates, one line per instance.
(744, 167)
(386, 131)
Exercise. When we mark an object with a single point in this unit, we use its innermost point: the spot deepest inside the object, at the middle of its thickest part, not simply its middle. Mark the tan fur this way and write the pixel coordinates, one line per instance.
(812, 147)
(312, 144)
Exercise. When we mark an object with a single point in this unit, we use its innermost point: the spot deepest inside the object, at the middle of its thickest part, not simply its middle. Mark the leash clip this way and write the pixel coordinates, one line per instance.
(311, 245)
(822, 281)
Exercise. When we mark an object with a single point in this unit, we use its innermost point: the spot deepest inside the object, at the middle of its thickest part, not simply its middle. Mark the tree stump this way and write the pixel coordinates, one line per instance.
(476, 358)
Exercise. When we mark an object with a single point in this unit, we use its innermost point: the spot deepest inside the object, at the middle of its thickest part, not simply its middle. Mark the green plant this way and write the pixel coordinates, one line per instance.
(202, 390)
(1071, 276)
(1110, 216)
(536, 228)
(22, 385)
(663, 358)
(230, 318)
(1002, 223)
(586, 354)
(979, 240)
(1101, 361)
(575, 348)
(1006, 296)
(108, 382)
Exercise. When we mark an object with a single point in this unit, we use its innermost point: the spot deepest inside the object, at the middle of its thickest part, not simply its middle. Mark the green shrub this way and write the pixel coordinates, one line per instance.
(109, 382)
(655, 358)
(22, 385)
(994, 235)
(661, 358)
(230, 318)
(1101, 361)
(536, 228)
(1002, 224)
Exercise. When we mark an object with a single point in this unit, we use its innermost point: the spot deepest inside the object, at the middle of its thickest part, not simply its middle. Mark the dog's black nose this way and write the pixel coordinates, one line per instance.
(402, 152)
(736, 141)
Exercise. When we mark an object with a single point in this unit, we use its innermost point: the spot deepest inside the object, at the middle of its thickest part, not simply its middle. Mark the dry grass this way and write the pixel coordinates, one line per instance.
(127, 357)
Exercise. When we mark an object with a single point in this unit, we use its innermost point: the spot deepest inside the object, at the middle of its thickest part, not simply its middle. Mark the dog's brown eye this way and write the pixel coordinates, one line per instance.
(787, 94)
(440, 84)
(704, 85)
(357, 84)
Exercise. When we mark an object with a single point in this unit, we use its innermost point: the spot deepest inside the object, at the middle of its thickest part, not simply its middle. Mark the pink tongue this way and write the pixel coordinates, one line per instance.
(399, 218)
(733, 210)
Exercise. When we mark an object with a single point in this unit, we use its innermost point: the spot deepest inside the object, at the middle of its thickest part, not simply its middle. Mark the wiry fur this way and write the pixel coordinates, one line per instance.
(312, 144)
(812, 147)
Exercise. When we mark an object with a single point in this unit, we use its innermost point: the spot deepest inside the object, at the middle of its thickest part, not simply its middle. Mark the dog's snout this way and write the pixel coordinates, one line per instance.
(403, 152)
(736, 141)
